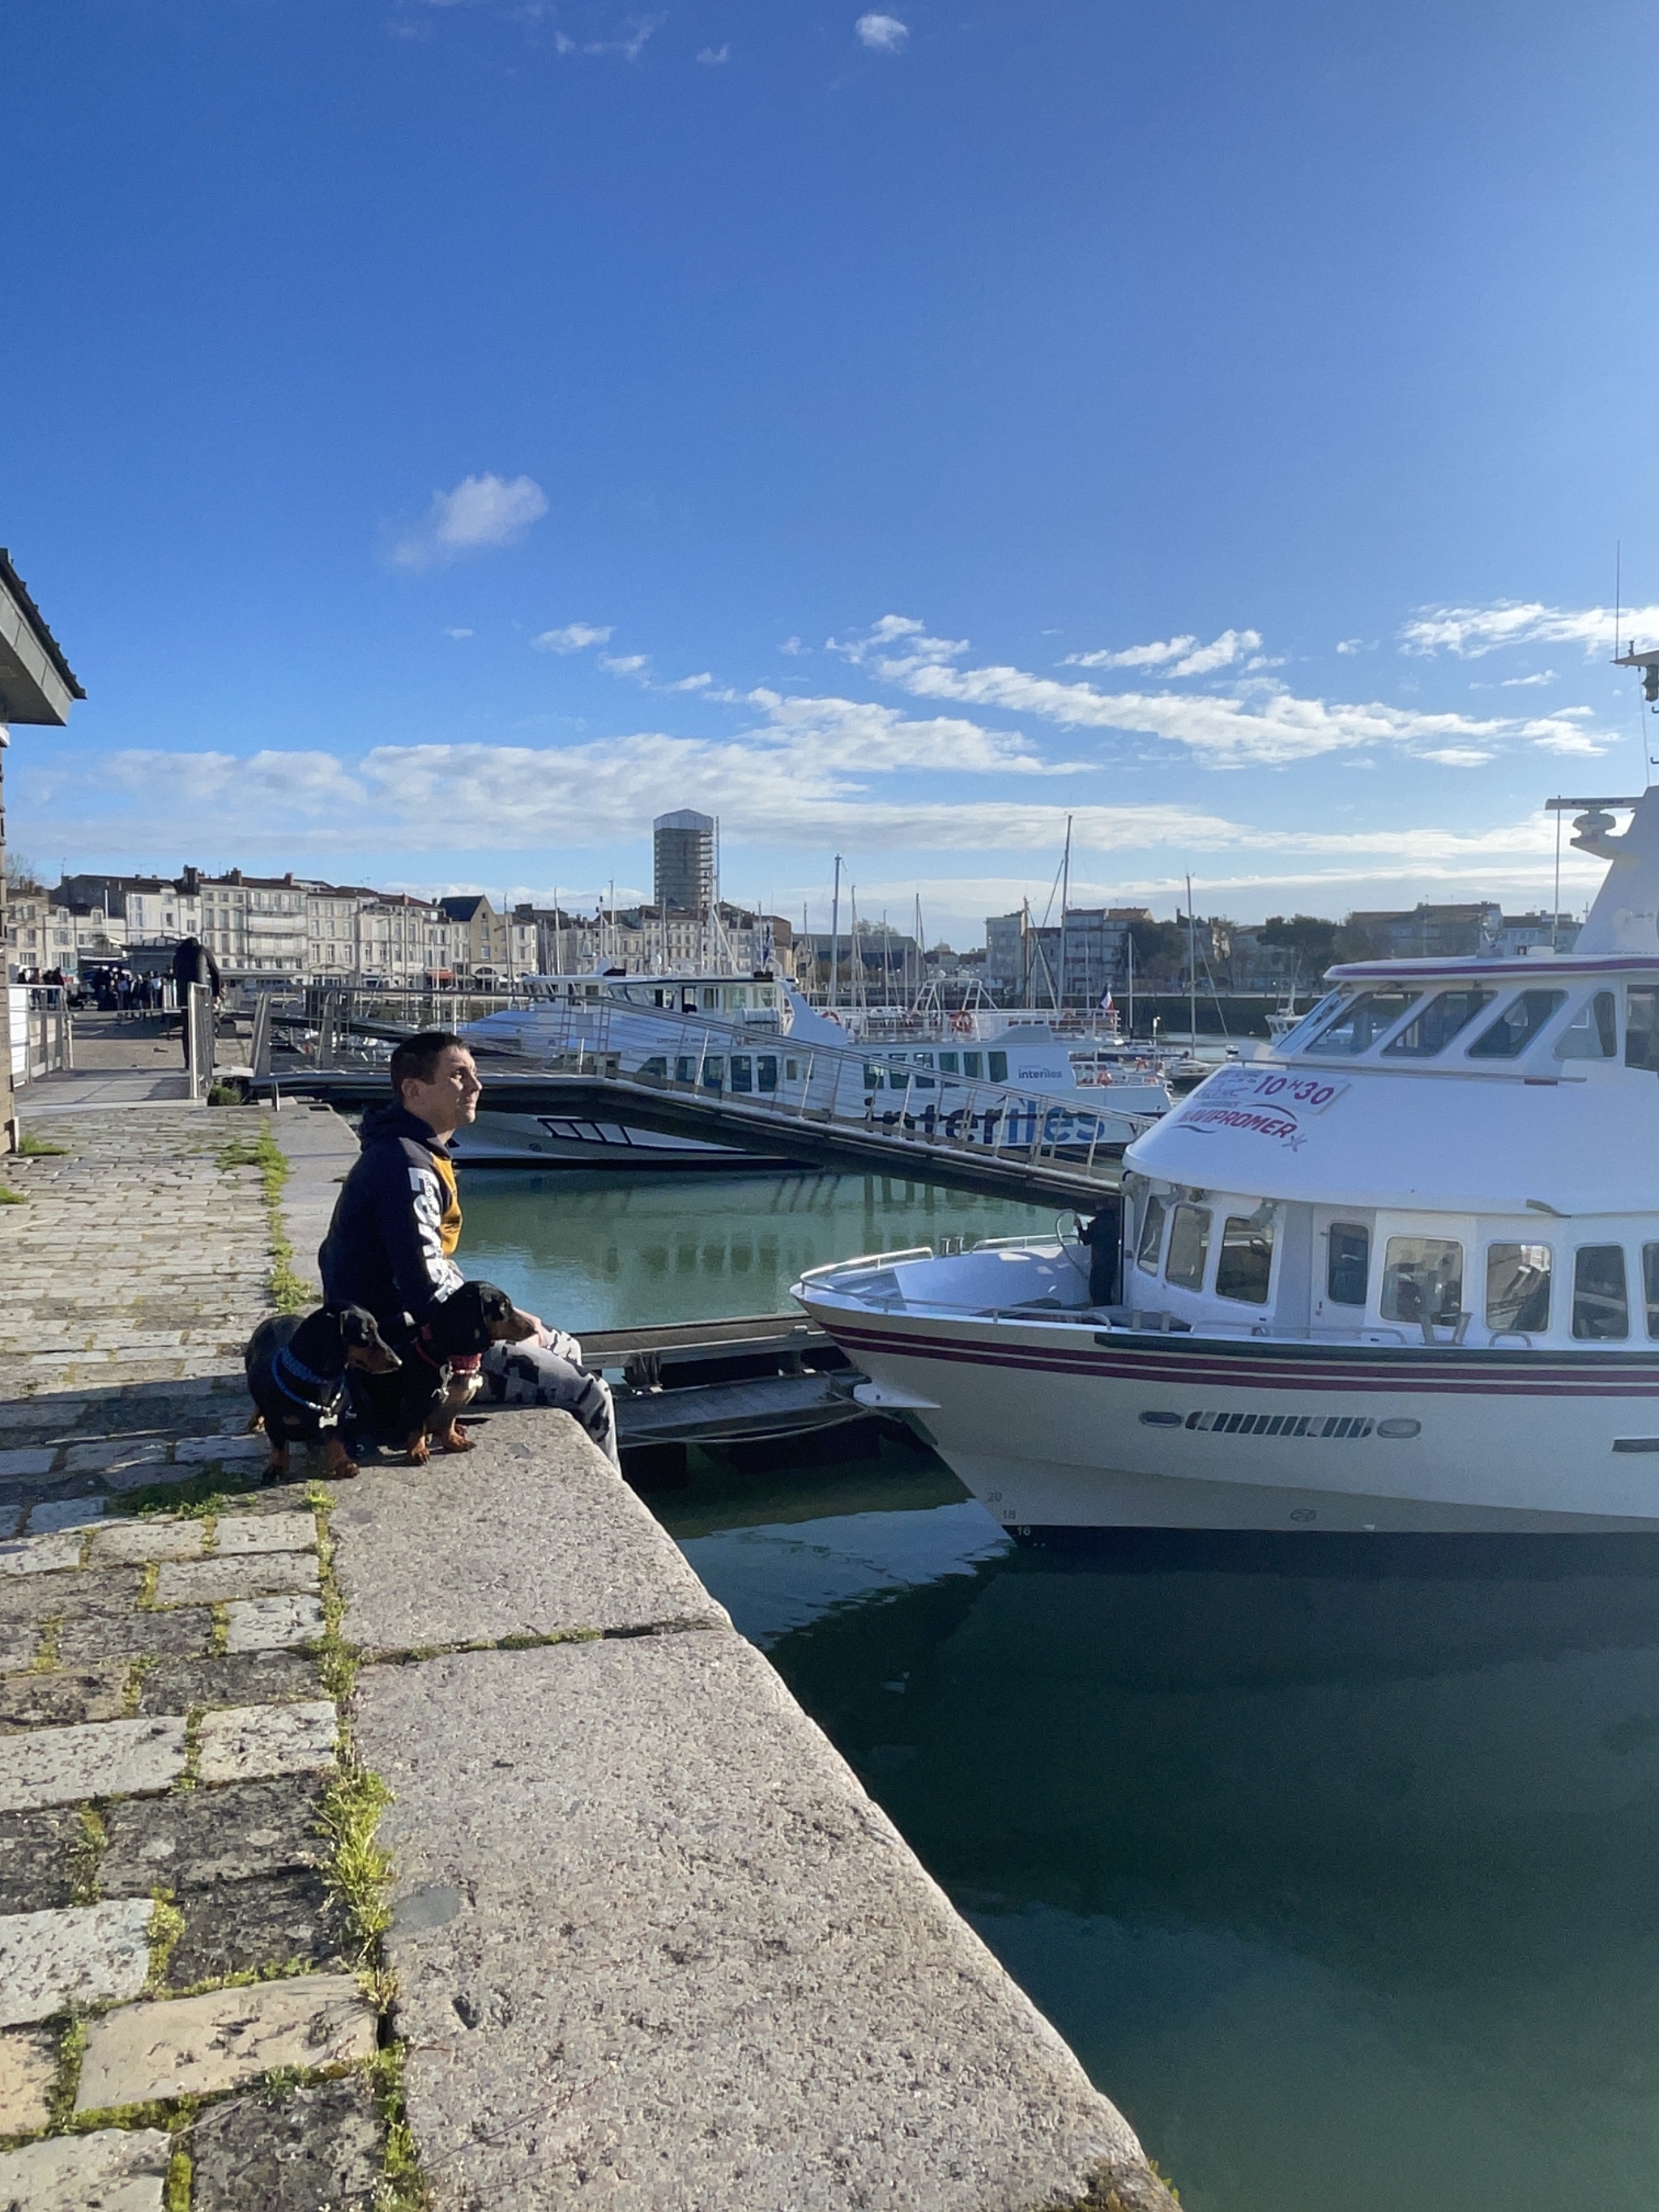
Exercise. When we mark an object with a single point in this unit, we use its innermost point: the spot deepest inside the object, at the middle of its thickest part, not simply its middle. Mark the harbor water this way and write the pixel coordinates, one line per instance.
(1337, 1875)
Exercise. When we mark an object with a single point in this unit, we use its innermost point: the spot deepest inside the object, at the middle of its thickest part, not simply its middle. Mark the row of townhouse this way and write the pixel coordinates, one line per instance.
(268, 929)
(287, 928)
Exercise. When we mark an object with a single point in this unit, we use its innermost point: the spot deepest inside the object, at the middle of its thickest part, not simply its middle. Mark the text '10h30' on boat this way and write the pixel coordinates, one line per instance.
(1400, 1275)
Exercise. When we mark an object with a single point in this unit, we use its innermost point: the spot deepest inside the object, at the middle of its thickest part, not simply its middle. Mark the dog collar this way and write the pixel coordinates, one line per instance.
(333, 1385)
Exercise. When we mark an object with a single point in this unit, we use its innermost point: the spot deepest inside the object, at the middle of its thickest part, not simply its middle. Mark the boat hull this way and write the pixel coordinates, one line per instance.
(545, 1141)
(1069, 1429)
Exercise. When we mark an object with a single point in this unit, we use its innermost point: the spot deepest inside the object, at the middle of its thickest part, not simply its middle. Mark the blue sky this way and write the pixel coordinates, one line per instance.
(443, 435)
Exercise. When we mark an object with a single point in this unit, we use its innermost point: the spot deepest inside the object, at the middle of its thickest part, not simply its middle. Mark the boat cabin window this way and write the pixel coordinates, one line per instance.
(1517, 1026)
(742, 1071)
(998, 1068)
(1601, 1309)
(973, 1064)
(872, 1077)
(1362, 1021)
(1518, 1287)
(948, 1063)
(1347, 1263)
(1433, 1028)
(1642, 1026)
(1423, 1279)
(1593, 1032)
(1308, 1025)
(1152, 1236)
(1651, 1285)
(1189, 1248)
(1246, 1263)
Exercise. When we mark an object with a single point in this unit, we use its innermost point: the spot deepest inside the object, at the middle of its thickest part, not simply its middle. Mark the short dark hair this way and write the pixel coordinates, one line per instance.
(415, 1060)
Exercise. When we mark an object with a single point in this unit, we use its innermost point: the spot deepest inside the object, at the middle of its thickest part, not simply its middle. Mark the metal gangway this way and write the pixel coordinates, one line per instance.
(751, 1089)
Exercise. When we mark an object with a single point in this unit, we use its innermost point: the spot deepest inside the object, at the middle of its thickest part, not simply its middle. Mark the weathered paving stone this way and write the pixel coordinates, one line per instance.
(62, 1701)
(241, 1927)
(84, 1954)
(124, 1463)
(121, 1542)
(18, 1643)
(131, 1634)
(210, 1582)
(238, 1677)
(249, 1741)
(273, 1624)
(533, 1534)
(196, 2046)
(198, 1451)
(201, 1839)
(241, 1534)
(60, 1766)
(40, 1555)
(36, 1872)
(28, 2066)
(29, 1460)
(54, 1514)
(317, 2149)
(117, 2170)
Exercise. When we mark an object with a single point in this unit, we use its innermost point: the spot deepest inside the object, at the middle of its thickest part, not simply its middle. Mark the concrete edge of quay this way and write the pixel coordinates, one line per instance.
(654, 1944)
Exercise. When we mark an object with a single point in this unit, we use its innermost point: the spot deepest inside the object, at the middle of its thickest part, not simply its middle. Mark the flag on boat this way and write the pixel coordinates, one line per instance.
(1107, 1005)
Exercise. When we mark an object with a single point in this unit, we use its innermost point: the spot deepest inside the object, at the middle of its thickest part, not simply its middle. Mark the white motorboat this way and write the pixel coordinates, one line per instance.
(758, 1037)
(1401, 1272)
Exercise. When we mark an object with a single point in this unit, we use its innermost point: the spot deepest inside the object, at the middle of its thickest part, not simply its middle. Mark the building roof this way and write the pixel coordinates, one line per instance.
(686, 817)
(464, 906)
(37, 684)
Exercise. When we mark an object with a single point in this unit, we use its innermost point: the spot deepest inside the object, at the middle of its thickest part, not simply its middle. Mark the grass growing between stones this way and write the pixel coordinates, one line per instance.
(359, 1874)
(11, 1197)
(288, 1293)
(31, 1147)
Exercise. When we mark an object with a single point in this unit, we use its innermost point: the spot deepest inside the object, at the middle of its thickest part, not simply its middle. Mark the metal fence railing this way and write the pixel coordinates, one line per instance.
(42, 1030)
(766, 1085)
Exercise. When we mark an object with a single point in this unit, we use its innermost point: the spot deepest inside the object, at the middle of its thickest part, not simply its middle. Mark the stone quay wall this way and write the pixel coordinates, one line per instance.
(432, 1840)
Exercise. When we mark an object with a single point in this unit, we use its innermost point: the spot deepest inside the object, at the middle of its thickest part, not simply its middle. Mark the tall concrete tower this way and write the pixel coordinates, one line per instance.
(687, 861)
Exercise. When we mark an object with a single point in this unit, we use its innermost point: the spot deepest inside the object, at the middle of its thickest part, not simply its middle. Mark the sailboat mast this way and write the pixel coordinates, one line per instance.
(1192, 969)
(834, 934)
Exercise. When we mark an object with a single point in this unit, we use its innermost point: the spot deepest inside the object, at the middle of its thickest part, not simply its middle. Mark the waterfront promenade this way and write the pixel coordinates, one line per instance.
(435, 1840)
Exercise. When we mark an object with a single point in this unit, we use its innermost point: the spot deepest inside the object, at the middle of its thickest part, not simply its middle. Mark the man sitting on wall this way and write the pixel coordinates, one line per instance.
(397, 1222)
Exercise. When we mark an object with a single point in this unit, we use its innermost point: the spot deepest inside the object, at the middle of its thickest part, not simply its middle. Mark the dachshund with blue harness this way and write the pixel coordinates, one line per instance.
(296, 1377)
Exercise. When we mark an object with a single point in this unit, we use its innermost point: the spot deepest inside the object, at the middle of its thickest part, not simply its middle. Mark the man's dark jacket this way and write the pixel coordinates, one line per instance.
(385, 1247)
(193, 963)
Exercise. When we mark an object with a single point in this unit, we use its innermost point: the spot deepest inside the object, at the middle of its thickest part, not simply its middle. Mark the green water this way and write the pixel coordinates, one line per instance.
(591, 1248)
(1341, 1884)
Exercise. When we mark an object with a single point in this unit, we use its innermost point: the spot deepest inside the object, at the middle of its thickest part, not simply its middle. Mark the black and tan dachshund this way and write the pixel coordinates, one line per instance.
(439, 1372)
(296, 1370)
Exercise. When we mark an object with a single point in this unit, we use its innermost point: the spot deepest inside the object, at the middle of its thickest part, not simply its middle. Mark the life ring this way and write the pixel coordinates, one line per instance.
(962, 1024)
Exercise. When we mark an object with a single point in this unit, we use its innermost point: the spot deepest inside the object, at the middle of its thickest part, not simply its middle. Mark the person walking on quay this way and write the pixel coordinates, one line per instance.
(397, 1222)
(193, 963)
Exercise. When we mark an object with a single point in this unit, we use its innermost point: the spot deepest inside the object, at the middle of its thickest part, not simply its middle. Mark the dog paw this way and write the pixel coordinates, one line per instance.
(459, 1441)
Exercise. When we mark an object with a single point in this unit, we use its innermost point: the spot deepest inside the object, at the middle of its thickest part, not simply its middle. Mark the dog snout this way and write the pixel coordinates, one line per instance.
(518, 1327)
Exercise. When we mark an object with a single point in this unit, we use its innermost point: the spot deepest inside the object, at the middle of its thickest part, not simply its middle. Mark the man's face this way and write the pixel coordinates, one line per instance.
(451, 1099)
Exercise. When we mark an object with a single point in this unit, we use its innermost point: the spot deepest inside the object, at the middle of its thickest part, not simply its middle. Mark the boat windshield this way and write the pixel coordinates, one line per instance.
(1593, 1032)
(1433, 1028)
(1517, 1026)
(1362, 1021)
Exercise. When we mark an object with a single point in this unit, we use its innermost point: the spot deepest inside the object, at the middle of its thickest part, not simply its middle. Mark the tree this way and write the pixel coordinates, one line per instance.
(1310, 942)
(22, 877)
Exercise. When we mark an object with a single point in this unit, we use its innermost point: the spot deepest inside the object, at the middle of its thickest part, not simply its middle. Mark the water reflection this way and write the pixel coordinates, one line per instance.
(597, 1250)
(1339, 1883)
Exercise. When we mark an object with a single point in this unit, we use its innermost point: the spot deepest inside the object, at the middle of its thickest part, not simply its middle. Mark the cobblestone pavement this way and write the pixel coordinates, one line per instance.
(187, 2019)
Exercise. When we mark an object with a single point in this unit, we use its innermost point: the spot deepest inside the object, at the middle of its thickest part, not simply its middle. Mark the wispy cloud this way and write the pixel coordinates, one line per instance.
(883, 34)
(481, 512)
(631, 45)
(711, 56)
(1261, 723)
(1524, 683)
(571, 637)
(458, 633)
(1472, 631)
(624, 664)
(1176, 656)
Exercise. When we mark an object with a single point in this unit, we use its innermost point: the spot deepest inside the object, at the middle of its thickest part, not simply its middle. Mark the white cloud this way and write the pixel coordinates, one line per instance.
(793, 645)
(459, 633)
(1132, 656)
(1456, 755)
(1176, 656)
(1522, 682)
(481, 511)
(1261, 723)
(1570, 742)
(883, 34)
(1473, 631)
(572, 637)
(640, 27)
(714, 56)
(691, 682)
(1350, 644)
(623, 664)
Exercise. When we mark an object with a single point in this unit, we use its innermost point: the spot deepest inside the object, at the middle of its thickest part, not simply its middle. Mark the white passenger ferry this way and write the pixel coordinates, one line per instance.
(1400, 1274)
(756, 1037)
